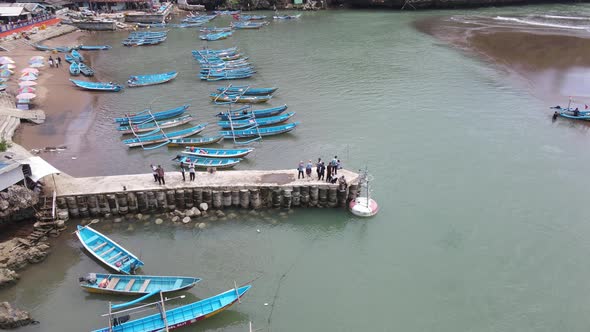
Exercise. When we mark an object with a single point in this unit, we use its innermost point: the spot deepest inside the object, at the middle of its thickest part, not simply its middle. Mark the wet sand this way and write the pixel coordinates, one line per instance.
(551, 63)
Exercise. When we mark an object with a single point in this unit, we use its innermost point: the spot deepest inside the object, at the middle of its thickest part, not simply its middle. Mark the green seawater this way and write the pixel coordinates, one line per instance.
(483, 219)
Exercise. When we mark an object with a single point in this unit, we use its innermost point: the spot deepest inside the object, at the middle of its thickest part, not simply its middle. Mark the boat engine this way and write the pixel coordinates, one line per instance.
(120, 320)
(89, 280)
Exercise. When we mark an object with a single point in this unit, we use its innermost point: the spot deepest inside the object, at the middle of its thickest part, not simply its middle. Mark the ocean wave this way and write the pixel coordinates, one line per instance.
(577, 18)
(543, 24)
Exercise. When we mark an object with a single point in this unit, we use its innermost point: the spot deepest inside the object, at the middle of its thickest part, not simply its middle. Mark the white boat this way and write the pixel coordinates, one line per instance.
(364, 205)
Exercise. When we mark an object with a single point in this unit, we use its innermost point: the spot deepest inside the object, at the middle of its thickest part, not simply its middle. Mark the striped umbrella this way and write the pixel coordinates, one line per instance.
(27, 83)
(7, 66)
(28, 77)
(30, 70)
(5, 72)
(5, 59)
(26, 96)
(27, 89)
(37, 65)
(36, 58)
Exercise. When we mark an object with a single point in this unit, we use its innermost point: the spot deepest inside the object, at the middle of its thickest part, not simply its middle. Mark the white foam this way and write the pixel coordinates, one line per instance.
(536, 23)
(567, 17)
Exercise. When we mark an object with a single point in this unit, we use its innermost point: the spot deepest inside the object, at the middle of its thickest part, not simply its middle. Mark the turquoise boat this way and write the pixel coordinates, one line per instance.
(217, 153)
(139, 118)
(97, 86)
(107, 251)
(255, 132)
(216, 36)
(208, 162)
(76, 55)
(74, 69)
(94, 48)
(246, 113)
(246, 90)
(121, 284)
(161, 138)
(152, 79)
(149, 126)
(196, 141)
(85, 70)
(237, 124)
(70, 59)
(170, 319)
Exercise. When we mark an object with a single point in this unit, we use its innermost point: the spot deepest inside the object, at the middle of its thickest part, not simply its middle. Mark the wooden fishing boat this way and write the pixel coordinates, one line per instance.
(255, 132)
(237, 124)
(217, 153)
(286, 17)
(139, 118)
(121, 284)
(225, 76)
(94, 48)
(69, 58)
(246, 113)
(246, 90)
(149, 126)
(251, 17)
(74, 69)
(143, 80)
(76, 55)
(108, 251)
(169, 319)
(97, 86)
(197, 141)
(85, 70)
(247, 25)
(216, 36)
(63, 49)
(239, 99)
(216, 29)
(160, 138)
(40, 47)
(585, 116)
(208, 162)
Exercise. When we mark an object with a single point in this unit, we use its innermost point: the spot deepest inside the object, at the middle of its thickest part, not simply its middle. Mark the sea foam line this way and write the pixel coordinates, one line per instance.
(551, 25)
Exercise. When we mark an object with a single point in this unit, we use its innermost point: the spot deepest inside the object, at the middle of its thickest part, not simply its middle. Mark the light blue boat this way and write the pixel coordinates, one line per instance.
(246, 90)
(152, 79)
(76, 55)
(97, 86)
(170, 319)
(216, 36)
(70, 59)
(121, 284)
(85, 70)
(74, 69)
(246, 113)
(149, 126)
(201, 162)
(237, 124)
(138, 118)
(217, 153)
(94, 48)
(108, 251)
(161, 138)
(571, 115)
(254, 132)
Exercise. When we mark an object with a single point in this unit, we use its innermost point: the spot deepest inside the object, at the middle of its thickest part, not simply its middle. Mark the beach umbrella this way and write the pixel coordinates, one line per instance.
(4, 60)
(37, 58)
(5, 73)
(26, 96)
(37, 65)
(30, 70)
(7, 66)
(27, 89)
(28, 78)
(28, 74)
(26, 83)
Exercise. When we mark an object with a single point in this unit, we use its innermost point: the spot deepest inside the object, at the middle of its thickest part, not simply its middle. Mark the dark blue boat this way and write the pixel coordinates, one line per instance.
(145, 116)
(246, 90)
(246, 113)
(237, 124)
(85, 70)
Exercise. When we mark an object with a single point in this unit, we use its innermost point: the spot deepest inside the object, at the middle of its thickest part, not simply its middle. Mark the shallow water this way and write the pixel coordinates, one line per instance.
(482, 226)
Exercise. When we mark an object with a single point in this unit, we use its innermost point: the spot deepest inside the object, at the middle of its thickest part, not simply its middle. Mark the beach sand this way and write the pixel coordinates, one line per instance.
(550, 62)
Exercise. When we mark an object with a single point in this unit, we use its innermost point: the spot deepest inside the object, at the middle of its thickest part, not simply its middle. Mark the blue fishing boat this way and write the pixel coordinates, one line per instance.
(216, 29)
(252, 17)
(246, 113)
(149, 126)
(246, 90)
(97, 86)
(231, 50)
(69, 58)
(237, 124)
(286, 17)
(255, 132)
(108, 251)
(170, 319)
(74, 69)
(217, 153)
(85, 70)
(94, 48)
(152, 79)
(227, 12)
(40, 47)
(138, 118)
(248, 25)
(196, 141)
(163, 137)
(121, 284)
(216, 97)
(225, 76)
(208, 162)
(63, 49)
(76, 55)
(216, 36)
(573, 115)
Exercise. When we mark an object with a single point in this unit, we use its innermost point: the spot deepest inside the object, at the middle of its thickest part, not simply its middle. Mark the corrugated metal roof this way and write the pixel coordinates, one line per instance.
(11, 11)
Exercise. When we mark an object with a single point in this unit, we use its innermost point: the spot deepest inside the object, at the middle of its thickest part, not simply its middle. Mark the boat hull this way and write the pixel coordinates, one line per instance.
(161, 138)
(162, 124)
(218, 153)
(195, 142)
(164, 283)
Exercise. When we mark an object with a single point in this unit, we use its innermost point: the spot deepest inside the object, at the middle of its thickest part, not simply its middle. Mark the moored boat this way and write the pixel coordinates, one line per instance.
(170, 319)
(151, 79)
(208, 162)
(94, 48)
(246, 90)
(237, 124)
(108, 251)
(286, 17)
(196, 141)
(138, 118)
(217, 153)
(85, 70)
(149, 126)
(121, 284)
(254, 132)
(363, 205)
(246, 113)
(216, 36)
(163, 137)
(69, 58)
(97, 86)
(76, 55)
(217, 97)
(74, 69)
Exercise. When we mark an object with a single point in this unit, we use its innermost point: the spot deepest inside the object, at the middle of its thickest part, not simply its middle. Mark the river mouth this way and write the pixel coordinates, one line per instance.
(545, 52)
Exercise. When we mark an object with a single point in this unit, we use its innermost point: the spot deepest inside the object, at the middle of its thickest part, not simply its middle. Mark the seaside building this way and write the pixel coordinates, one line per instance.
(26, 172)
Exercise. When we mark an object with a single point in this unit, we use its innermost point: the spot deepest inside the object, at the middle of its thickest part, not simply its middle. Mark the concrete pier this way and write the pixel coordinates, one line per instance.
(123, 194)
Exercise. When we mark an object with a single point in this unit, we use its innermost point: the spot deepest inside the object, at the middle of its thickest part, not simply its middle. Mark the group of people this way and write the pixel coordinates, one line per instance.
(191, 171)
(54, 62)
(328, 172)
(158, 173)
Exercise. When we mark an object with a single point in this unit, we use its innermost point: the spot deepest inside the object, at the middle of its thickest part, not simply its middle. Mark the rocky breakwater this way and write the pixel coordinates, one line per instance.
(17, 204)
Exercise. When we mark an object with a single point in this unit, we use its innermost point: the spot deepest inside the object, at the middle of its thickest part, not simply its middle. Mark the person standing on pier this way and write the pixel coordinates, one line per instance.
(191, 171)
(182, 171)
(335, 165)
(155, 172)
(329, 175)
(317, 167)
(322, 171)
(50, 61)
(308, 169)
(160, 171)
(300, 168)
